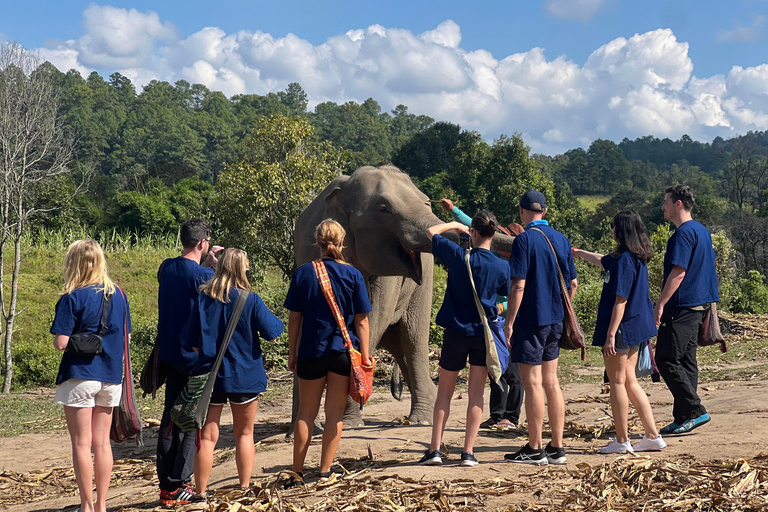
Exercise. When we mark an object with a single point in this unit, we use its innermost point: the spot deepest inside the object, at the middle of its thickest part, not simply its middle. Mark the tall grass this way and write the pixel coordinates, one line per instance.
(110, 240)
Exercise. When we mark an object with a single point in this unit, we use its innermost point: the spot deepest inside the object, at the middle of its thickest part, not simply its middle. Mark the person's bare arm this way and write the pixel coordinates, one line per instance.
(616, 315)
(362, 332)
(574, 285)
(674, 280)
(60, 341)
(439, 229)
(592, 257)
(517, 288)
(294, 323)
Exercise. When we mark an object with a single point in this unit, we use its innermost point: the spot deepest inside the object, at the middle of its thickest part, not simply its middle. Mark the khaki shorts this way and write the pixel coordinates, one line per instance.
(88, 393)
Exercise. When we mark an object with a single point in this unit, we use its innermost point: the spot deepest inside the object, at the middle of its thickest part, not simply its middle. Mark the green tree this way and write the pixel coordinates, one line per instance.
(258, 199)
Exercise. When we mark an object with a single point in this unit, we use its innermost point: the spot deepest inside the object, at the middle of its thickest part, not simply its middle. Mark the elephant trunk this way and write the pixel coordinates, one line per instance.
(501, 243)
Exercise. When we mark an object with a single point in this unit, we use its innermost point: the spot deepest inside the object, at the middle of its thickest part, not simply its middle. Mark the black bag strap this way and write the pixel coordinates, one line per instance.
(242, 297)
(106, 301)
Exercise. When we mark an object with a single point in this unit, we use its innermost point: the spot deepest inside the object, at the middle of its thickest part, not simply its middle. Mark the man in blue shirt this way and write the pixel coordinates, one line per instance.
(690, 285)
(179, 279)
(535, 324)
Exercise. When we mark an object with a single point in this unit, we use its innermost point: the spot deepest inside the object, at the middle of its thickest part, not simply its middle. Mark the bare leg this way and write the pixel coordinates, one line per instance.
(442, 406)
(79, 425)
(209, 436)
(242, 419)
(617, 369)
(101, 424)
(310, 393)
(477, 376)
(534, 402)
(639, 398)
(555, 402)
(335, 401)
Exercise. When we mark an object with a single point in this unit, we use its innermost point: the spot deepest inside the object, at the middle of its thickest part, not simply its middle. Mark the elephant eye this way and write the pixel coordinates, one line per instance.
(383, 208)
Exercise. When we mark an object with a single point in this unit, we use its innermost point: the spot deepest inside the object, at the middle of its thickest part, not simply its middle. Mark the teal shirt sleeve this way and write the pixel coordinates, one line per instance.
(460, 216)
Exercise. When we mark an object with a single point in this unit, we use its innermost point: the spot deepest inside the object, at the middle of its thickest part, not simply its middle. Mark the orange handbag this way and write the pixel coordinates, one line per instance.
(361, 375)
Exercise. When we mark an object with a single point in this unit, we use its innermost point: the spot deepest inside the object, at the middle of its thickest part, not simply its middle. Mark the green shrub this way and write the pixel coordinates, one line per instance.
(752, 294)
(438, 294)
(35, 363)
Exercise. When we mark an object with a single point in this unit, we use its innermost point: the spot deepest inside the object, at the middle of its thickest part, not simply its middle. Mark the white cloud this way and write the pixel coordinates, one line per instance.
(580, 10)
(739, 33)
(628, 87)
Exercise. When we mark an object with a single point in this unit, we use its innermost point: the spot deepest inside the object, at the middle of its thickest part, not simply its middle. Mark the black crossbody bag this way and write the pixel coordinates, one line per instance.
(89, 344)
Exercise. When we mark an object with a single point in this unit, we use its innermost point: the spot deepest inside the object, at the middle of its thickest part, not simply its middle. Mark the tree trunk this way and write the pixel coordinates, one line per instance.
(3, 239)
(14, 296)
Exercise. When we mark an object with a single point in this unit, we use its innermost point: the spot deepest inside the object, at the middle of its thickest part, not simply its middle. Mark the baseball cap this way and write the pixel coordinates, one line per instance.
(534, 201)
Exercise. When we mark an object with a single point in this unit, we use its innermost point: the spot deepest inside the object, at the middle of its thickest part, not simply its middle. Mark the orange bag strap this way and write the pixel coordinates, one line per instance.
(325, 284)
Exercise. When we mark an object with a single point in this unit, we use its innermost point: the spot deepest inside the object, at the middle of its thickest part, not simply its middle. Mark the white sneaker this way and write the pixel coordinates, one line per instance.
(649, 445)
(616, 447)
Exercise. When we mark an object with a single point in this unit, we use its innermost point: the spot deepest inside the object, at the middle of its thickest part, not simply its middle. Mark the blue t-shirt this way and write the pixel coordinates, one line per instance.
(80, 312)
(625, 276)
(242, 369)
(690, 247)
(532, 260)
(491, 276)
(179, 280)
(319, 331)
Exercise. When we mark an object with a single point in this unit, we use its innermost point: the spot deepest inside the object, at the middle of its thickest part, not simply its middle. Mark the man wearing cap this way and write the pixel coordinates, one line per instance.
(534, 325)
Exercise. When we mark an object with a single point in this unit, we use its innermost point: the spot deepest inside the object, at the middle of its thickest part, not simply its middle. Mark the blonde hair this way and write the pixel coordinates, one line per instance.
(230, 273)
(329, 236)
(85, 264)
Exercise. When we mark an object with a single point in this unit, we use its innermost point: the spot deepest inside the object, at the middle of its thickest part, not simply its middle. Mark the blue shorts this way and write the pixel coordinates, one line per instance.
(457, 348)
(533, 345)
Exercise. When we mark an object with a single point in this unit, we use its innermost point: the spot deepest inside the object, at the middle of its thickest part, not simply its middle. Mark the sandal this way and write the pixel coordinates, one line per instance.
(489, 423)
(505, 424)
(294, 482)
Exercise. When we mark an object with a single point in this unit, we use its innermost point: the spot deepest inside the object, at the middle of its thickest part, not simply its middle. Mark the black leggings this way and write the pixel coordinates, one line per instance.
(318, 367)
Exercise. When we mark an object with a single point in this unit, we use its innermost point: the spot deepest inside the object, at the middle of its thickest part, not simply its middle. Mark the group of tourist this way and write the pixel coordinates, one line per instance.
(196, 303)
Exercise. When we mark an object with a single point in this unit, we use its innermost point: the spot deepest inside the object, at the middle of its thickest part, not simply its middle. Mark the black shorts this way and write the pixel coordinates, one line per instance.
(457, 348)
(220, 398)
(318, 367)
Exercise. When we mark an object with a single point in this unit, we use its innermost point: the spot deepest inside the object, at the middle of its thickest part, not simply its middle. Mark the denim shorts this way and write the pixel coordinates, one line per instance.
(457, 348)
(534, 345)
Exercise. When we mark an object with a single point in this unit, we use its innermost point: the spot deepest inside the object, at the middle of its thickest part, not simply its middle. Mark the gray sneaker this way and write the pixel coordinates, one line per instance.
(468, 459)
(431, 458)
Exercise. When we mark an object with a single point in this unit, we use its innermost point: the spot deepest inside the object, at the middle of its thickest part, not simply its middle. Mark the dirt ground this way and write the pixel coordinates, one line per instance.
(738, 429)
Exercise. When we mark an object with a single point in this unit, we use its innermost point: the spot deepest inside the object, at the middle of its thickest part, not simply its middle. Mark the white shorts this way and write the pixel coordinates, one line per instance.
(88, 393)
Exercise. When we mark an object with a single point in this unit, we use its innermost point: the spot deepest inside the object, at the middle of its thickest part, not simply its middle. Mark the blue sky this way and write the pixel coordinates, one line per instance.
(560, 72)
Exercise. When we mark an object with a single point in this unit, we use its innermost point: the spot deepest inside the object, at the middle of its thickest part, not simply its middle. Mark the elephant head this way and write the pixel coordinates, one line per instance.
(385, 216)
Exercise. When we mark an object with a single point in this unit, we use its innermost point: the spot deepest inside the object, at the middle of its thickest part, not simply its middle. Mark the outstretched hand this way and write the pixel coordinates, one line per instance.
(211, 260)
(447, 204)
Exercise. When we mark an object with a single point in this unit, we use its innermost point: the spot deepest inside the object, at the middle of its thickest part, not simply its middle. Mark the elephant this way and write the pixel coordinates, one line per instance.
(386, 218)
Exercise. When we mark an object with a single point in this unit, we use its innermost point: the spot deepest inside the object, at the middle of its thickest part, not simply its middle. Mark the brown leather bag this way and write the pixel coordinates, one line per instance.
(573, 335)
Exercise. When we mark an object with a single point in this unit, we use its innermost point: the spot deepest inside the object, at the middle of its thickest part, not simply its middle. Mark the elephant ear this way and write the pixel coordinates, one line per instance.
(336, 208)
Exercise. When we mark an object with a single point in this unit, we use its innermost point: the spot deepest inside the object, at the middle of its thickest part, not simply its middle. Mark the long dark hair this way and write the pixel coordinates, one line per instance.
(631, 235)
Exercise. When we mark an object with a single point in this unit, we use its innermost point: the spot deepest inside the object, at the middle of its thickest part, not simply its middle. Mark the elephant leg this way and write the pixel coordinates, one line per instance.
(414, 344)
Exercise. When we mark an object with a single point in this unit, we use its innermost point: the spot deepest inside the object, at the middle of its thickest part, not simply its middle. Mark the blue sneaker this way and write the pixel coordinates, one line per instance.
(689, 425)
(669, 428)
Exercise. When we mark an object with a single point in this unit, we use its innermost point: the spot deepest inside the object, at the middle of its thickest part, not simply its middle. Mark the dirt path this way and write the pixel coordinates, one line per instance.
(738, 429)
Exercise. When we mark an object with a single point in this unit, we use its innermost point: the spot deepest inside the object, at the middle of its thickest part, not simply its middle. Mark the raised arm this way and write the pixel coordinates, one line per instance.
(439, 229)
(592, 257)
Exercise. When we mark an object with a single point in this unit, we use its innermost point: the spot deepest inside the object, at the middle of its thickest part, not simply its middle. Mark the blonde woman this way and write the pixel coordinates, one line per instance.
(322, 362)
(241, 377)
(90, 386)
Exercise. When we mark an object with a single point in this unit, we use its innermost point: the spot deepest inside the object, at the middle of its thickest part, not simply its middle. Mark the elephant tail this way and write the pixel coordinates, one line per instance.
(396, 383)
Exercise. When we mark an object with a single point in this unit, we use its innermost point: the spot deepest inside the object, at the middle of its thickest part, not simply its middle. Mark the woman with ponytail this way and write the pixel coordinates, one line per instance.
(463, 337)
(321, 361)
(241, 377)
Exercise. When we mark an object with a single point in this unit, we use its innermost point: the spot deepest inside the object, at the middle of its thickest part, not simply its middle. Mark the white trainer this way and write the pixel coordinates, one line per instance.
(649, 445)
(616, 447)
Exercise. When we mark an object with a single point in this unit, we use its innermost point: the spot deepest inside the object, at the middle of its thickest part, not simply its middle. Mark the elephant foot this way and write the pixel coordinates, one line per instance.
(420, 418)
